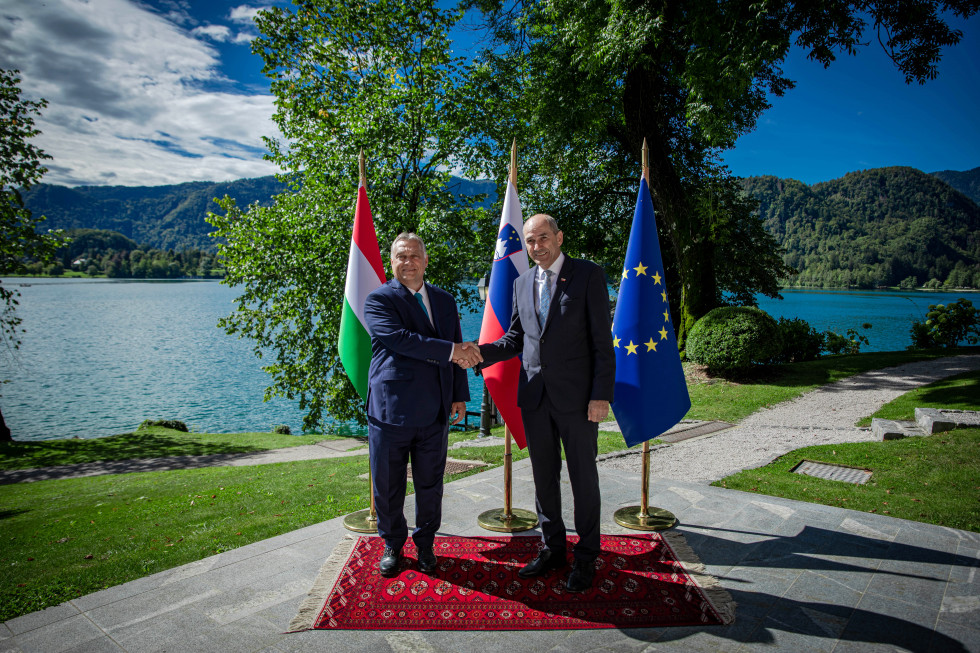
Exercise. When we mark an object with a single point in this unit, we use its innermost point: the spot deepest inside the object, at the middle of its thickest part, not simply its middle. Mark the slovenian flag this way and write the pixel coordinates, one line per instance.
(365, 272)
(651, 393)
(509, 261)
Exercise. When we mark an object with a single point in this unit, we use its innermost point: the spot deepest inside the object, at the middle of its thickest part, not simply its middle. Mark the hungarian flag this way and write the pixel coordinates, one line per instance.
(509, 261)
(365, 272)
(651, 393)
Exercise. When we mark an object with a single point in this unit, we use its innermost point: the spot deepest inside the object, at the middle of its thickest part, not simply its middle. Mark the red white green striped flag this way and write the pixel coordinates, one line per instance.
(365, 272)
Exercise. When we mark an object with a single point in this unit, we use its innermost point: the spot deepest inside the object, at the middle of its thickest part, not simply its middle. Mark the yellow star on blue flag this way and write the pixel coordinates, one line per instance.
(651, 393)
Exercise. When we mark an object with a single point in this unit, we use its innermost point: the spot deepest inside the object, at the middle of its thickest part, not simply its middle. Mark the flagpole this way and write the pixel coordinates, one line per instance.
(642, 517)
(364, 521)
(506, 519)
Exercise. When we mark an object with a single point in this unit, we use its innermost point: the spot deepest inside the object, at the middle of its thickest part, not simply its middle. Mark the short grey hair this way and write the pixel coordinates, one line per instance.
(407, 236)
(547, 218)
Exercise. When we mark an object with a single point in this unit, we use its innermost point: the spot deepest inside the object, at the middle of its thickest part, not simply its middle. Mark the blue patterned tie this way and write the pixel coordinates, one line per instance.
(418, 296)
(544, 298)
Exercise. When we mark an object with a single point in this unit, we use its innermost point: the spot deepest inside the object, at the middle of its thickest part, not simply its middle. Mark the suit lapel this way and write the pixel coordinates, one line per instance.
(561, 283)
(421, 322)
(434, 303)
(525, 293)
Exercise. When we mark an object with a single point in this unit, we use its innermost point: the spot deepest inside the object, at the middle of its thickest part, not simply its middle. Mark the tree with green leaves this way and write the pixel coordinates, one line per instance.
(584, 82)
(378, 76)
(20, 168)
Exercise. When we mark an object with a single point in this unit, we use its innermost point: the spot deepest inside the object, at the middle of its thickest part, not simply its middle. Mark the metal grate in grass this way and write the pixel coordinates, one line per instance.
(830, 472)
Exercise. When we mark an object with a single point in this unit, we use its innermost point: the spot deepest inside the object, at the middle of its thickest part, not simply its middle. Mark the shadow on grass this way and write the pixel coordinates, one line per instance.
(830, 369)
(141, 444)
(966, 395)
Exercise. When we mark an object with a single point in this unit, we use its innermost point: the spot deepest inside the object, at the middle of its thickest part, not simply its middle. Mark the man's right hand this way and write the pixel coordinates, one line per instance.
(466, 354)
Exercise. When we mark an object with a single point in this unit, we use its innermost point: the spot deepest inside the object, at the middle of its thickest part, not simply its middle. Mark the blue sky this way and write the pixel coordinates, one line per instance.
(167, 91)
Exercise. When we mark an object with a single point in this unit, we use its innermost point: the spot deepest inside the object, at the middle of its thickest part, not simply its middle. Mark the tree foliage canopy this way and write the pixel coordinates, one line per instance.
(377, 76)
(586, 81)
(20, 168)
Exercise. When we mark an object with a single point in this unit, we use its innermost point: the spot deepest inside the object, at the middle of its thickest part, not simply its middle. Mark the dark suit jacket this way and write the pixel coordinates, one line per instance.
(412, 381)
(572, 357)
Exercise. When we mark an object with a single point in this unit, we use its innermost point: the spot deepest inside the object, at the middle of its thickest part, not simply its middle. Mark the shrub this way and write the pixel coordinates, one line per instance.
(800, 341)
(734, 338)
(947, 326)
(281, 429)
(174, 424)
(834, 343)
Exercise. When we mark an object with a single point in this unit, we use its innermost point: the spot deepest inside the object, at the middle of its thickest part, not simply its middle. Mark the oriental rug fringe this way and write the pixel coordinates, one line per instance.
(646, 580)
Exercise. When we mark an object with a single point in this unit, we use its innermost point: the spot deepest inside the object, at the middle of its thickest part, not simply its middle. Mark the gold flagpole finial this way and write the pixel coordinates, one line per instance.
(513, 163)
(646, 161)
(360, 161)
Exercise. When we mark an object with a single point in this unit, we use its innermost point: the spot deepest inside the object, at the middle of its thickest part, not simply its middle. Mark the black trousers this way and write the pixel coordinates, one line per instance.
(548, 431)
(391, 449)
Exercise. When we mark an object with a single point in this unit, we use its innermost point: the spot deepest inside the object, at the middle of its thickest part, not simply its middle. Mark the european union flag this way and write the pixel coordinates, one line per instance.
(651, 394)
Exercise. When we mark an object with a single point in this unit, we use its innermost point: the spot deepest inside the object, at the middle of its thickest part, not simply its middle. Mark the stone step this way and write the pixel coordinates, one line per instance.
(890, 429)
(933, 420)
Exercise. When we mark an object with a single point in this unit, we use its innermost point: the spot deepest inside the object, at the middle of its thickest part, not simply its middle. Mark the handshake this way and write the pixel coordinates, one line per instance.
(467, 354)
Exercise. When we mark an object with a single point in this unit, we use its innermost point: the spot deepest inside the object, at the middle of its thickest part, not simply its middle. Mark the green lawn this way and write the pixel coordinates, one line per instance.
(933, 479)
(62, 539)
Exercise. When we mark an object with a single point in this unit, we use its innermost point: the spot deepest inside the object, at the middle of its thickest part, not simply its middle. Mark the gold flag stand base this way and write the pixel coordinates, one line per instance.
(655, 519)
(361, 521)
(643, 517)
(506, 519)
(498, 520)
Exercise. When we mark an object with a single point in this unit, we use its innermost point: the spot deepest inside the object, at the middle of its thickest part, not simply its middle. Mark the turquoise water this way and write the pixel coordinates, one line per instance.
(100, 356)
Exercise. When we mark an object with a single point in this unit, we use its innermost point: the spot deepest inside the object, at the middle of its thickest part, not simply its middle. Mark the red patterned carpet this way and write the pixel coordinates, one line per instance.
(641, 581)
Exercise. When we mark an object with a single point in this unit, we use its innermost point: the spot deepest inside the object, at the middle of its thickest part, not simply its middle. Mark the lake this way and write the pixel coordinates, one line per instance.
(100, 356)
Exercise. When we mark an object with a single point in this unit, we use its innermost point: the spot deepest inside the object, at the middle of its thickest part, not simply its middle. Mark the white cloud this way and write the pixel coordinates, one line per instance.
(244, 14)
(129, 96)
(214, 32)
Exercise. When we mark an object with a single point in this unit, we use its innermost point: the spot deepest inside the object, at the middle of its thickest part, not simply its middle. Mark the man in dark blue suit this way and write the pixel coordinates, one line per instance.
(414, 389)
(561, 324)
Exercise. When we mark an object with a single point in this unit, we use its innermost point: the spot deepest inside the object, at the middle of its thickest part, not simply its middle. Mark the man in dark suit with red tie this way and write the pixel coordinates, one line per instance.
(414, 389)
(561, 325)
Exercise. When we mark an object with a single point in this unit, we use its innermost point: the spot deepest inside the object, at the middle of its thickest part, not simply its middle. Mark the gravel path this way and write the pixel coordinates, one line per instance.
(822, 416)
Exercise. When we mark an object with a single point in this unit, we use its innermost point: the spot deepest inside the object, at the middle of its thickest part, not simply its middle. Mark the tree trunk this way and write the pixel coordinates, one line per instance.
(650, 98)
(4, 431)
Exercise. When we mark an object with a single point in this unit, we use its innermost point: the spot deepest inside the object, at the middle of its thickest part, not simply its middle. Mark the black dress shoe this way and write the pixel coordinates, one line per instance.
(545, 562)
(388, 565)
(427, 560)
(581, 576)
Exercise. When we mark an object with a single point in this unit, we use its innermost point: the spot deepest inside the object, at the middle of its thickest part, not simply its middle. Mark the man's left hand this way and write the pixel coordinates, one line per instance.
(457, 411)
(598, 410)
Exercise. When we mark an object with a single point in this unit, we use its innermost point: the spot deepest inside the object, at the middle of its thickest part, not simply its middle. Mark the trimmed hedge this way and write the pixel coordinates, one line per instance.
(734, 338)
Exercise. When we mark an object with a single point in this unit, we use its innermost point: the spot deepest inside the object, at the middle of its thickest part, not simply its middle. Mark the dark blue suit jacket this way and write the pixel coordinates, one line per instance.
(412, 382)
(572, 358)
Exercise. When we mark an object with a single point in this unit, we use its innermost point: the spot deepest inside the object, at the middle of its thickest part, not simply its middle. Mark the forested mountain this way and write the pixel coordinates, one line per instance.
(881, 227)
(96, 252)
(163, 217)
(168, 217)
(967, 182)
